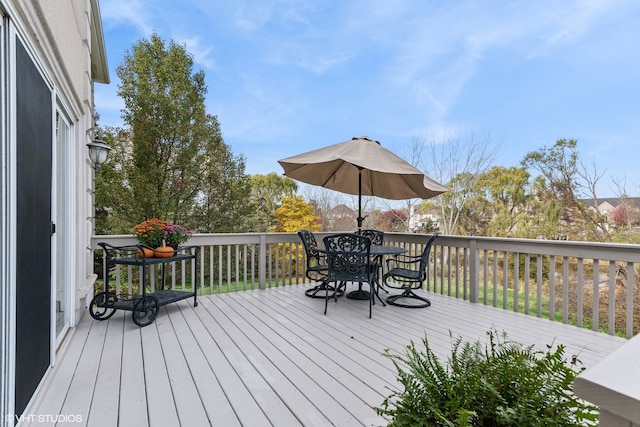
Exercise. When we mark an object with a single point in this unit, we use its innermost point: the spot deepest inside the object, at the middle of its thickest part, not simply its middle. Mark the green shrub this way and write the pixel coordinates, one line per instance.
(503, 384)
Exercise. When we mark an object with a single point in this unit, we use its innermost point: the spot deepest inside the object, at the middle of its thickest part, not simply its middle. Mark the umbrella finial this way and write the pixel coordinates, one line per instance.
(366, 138)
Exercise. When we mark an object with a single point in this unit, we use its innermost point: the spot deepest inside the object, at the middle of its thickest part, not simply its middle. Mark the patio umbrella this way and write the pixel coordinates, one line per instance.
(361, 166)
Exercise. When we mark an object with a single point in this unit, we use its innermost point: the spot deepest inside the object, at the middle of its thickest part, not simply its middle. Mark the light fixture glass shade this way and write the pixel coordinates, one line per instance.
(98, 152)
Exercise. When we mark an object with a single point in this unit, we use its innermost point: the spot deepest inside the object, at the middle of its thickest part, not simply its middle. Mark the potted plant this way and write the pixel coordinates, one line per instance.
(159, 237)
(175, 235)
(503, 383)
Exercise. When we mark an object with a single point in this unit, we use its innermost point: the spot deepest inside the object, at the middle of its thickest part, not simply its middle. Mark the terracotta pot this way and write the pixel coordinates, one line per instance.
(163, 252)
(145, 253)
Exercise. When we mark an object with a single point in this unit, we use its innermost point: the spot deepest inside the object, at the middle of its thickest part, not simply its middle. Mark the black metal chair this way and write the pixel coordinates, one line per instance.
(377, 238)
(348, 259)
(408, 272)
(317, 269)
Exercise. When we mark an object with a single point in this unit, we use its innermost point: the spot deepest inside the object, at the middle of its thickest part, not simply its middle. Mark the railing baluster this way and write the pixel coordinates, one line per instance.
(612, 298)
(552, 287)
(595, 312)
(496, 282)
(565, 289)
(527, 282)
(516, 281)
(539, 282)
(505, 280)
(486, 277)
(629, 294)
(580, 293)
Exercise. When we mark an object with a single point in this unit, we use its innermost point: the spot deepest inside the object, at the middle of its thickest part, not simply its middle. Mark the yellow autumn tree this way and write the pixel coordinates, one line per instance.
(294, 214)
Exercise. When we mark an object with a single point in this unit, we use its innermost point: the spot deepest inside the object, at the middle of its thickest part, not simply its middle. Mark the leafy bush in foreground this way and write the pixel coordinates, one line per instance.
(504, 384)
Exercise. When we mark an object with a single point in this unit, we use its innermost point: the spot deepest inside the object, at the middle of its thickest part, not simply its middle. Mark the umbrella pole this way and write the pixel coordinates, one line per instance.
(360, 218)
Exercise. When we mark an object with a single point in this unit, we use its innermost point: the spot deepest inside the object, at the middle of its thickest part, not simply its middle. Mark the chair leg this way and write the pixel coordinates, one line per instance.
(326, 299)
(338, 290)
(313, 292)
(378, 275)
(378, 286)
(408, 293)
(372, 300)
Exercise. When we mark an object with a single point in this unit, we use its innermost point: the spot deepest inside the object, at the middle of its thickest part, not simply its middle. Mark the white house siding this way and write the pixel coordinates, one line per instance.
(65, 42)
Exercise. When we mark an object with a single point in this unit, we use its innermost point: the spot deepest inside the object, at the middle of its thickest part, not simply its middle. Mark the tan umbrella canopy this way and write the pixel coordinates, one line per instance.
(361, 166)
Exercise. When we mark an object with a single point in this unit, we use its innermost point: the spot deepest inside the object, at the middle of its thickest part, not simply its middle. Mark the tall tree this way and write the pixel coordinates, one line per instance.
(115, 204)
(458, 163)
(267, 193)
(561, 169)
(174, 163)
(505, 190)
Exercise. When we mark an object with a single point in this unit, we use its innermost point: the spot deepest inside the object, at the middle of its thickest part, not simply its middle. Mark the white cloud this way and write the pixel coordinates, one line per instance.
(127, 12)
(202, 54)
(278, 70)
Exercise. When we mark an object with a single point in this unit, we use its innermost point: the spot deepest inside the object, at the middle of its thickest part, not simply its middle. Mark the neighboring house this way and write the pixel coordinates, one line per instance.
(52, 53)
(615, 209)
(340, 218)
(420, 217)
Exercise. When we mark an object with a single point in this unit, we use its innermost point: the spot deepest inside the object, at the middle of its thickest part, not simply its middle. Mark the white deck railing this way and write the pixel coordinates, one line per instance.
(590, 285)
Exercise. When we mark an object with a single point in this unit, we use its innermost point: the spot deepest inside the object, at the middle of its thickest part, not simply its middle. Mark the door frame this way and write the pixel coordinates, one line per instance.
(62, 161)
(11, 34)
(8, 218)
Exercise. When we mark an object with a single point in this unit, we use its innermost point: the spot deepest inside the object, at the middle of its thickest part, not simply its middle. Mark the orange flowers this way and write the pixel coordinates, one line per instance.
(153, 231)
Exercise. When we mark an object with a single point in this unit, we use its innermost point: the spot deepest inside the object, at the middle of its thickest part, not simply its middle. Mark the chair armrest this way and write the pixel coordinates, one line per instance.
(402, 261)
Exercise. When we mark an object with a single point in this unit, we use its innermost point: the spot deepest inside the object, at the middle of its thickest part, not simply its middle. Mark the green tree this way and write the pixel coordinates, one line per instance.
(114, 198)
(171, 162)
(559, 167)
(223, 207)
(505, 190)
(464, 211)
(267, 193)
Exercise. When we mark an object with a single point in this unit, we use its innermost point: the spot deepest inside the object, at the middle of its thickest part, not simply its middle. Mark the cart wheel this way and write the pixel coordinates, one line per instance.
(101, 307)
(145, 310)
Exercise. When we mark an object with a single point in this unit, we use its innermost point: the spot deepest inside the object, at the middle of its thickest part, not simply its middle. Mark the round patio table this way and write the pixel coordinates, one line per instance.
(375, 251)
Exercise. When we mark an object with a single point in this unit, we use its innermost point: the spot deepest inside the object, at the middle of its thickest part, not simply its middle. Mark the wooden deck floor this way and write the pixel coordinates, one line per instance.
(266, 358)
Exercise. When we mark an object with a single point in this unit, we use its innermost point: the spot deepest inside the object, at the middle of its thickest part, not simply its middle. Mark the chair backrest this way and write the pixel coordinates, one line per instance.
(310, 244)
(376, 236)
(424, 258)
(348, 257)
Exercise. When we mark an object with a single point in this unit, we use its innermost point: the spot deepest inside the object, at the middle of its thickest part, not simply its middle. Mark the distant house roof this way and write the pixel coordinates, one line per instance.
(341, 211)
(612, 201)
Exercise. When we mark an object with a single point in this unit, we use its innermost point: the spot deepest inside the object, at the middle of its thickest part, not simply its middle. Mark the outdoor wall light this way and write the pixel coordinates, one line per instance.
(98, 149)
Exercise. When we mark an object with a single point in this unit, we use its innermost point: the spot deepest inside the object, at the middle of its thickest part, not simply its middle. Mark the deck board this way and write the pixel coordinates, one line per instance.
(133, 404)
(108, 380)
(268, 358)
(159, 381)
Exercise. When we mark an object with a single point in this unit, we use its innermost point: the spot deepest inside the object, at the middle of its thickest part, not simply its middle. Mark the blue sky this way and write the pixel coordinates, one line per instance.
(289, 76)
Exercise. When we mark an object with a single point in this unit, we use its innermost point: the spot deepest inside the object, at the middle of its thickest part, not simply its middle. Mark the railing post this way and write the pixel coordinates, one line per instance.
(262, 262)
(474, 271)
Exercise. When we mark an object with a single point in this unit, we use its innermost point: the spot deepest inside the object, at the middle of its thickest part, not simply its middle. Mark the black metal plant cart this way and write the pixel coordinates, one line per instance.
(144, 307)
